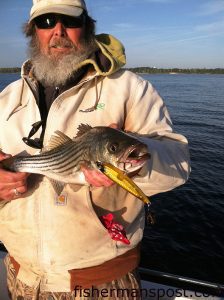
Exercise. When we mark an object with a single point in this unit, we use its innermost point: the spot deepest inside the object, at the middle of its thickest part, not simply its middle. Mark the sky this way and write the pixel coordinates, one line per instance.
(155, 33)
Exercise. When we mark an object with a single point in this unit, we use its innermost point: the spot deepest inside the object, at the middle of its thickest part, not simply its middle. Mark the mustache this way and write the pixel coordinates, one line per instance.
(61, 42)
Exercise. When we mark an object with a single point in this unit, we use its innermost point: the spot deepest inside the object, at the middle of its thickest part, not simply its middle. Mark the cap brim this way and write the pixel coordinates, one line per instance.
(64, 10)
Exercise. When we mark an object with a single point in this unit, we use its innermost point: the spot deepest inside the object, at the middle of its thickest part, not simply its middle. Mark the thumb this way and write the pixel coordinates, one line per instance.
(113, 125)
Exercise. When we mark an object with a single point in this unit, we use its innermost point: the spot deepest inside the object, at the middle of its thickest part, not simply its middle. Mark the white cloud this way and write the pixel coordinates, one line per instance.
(193, 38)
(214, 27)
(109, 6)
(212, 7)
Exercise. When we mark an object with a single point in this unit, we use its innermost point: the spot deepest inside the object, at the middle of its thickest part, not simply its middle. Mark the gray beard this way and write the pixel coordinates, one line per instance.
(56, 71)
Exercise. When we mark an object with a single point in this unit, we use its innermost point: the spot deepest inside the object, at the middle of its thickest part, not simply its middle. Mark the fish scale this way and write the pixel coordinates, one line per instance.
(50, 162)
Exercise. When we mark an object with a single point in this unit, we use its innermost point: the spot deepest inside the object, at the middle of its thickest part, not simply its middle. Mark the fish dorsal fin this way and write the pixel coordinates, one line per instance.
(57, 185)
(57, 140)
(82, 129)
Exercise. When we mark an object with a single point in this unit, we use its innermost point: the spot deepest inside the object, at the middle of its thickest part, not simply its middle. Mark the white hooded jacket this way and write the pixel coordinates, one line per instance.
(48, 238)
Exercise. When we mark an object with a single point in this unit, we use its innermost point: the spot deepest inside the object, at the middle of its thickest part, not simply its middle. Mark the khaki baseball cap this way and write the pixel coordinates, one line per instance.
(65, 7)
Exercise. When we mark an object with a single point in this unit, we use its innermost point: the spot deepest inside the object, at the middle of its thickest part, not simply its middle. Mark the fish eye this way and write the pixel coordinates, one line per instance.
(113, 147)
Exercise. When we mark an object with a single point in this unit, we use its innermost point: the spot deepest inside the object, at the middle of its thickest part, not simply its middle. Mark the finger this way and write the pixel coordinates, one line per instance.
(12, 185)
(100, 183)
(12, 177)
(102, 179)
(13, 193)
(97, 181)
(113, 125)
(17, 192)
(96, 178)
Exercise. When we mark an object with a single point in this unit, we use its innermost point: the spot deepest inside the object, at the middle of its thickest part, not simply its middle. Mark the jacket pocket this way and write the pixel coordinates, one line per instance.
(94, 214)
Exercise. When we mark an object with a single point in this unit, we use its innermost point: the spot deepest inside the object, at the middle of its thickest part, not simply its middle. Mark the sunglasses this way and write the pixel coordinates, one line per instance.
(35, 143)
(48, 21)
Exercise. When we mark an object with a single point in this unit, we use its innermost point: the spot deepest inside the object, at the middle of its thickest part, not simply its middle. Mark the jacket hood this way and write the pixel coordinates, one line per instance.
(110, 48)
(113, 50)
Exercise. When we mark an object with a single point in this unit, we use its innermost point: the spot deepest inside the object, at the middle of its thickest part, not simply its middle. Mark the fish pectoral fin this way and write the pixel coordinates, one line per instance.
(57, 185)
(57, 140)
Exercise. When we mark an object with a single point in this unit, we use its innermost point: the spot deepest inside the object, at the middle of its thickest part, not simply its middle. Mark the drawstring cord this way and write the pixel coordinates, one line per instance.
(94, 107)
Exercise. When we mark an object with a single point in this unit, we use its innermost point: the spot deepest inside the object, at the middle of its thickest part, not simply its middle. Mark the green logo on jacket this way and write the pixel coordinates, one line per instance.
(100, 106)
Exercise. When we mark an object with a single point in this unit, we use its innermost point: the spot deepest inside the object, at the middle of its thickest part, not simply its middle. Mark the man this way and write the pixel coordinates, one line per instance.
(58, 247)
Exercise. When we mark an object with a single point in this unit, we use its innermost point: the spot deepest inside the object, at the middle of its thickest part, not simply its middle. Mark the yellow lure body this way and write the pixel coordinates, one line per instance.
(123, 180)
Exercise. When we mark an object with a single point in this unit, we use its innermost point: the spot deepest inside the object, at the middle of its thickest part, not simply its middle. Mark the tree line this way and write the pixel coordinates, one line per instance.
(150, 70)
(147, 70)
(10, 70)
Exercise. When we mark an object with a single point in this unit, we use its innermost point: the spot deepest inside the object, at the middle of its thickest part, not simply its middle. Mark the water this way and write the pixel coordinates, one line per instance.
(187, 238)
(5, 79)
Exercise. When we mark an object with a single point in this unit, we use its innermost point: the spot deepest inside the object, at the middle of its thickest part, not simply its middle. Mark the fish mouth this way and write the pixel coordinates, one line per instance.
(133, 158)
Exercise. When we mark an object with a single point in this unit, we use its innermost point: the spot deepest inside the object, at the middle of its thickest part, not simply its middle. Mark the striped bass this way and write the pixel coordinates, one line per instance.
(102, 148)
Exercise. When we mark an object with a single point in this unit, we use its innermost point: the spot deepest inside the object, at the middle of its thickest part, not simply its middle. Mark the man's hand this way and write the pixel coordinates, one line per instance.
(12, 184)
(94, 177)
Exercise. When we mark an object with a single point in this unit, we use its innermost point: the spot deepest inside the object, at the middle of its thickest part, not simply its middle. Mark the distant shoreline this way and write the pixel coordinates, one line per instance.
(174, 71)
(148, 70)
(10, 70)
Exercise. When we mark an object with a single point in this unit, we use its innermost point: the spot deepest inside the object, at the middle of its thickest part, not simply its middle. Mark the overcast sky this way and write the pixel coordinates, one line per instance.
(160, 33)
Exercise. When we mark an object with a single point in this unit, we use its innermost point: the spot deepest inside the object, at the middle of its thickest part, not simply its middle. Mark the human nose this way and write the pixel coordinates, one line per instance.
(59, 29)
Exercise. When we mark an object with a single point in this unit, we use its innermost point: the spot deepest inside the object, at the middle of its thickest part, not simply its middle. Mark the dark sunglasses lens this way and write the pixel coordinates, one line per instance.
(45, 21)
(49, 21)
(72, 22)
